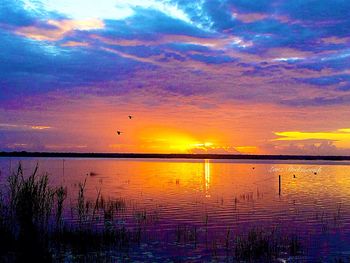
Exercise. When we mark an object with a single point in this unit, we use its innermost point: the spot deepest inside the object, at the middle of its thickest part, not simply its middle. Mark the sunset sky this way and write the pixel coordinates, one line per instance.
(207, 76)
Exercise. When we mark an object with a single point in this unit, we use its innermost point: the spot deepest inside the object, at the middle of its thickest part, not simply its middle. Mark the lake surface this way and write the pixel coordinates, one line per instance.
(215, 197)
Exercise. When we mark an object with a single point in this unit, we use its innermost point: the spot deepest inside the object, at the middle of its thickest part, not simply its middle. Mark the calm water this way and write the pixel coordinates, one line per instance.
(216, 196)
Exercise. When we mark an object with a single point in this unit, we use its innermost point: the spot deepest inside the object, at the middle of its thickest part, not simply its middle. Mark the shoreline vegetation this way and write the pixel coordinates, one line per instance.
(174, 156)
(34, 227)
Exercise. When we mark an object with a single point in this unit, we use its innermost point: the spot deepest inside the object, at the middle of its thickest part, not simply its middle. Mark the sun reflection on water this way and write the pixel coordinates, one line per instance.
(207, 177)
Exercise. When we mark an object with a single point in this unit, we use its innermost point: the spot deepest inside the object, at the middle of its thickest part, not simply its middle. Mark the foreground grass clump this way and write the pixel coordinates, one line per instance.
(7, 242)
(31, 198)
(265, 245)
(32, 225)
(26, 213)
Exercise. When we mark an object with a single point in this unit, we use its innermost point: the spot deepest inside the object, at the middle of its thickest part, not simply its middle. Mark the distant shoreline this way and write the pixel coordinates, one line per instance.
(173, 156)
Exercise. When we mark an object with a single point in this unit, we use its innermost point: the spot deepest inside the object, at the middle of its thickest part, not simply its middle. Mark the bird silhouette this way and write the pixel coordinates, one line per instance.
(130, 117)
(119, 132)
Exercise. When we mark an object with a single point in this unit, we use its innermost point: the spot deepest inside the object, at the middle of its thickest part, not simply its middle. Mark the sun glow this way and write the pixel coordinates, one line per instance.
(170, 140)
(182, 144)
(160, 139)
(202, 145)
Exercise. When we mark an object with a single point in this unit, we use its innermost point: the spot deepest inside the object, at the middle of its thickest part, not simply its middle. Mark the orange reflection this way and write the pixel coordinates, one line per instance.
(207, 177)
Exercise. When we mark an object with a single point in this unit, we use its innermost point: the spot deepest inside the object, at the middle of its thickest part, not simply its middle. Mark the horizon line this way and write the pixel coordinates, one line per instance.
(173, 155)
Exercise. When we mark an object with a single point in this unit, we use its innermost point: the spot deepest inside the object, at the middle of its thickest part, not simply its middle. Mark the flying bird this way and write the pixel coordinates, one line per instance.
(130, 117)
(119, 132)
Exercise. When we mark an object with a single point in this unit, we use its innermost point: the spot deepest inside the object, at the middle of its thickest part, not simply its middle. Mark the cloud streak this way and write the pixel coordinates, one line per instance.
(22, 127)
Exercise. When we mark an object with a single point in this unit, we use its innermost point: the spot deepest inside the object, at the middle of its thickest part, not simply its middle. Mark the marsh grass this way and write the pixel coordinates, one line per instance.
(7, 241)
(28, 213)
(186, 234)
(32, 225)
(264, 245)
(61, 195)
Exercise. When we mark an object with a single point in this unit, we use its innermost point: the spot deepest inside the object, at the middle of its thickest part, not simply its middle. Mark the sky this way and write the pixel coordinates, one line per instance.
(206, 76)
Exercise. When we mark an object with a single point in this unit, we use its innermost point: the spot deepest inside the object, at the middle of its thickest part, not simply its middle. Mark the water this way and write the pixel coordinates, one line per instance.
(215, 196)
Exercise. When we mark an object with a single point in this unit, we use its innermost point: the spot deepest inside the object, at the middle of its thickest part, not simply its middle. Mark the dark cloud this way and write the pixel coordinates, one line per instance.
(316, 10)
(30, 68)
(12, 13)
(149, 24)
(212, 59)
(342, 80)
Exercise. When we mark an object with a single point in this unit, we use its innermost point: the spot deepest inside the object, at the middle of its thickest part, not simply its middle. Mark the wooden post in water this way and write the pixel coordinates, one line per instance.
(279, 184)
(63, 167)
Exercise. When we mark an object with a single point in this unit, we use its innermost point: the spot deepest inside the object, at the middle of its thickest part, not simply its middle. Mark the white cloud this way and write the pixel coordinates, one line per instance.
(162, 6)
(105, 9)
(88, 9)
(289, 59)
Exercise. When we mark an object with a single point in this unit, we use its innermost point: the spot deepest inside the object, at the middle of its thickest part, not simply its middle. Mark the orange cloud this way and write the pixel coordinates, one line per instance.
(250, 17)
(336, 40)
(75, 44)
(60, 29)
(22, 127)
(213, 43)
(40, 127)
(340, 136)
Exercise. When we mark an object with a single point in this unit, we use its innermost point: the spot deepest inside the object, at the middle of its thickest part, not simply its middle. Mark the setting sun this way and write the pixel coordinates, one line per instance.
(163, 140)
